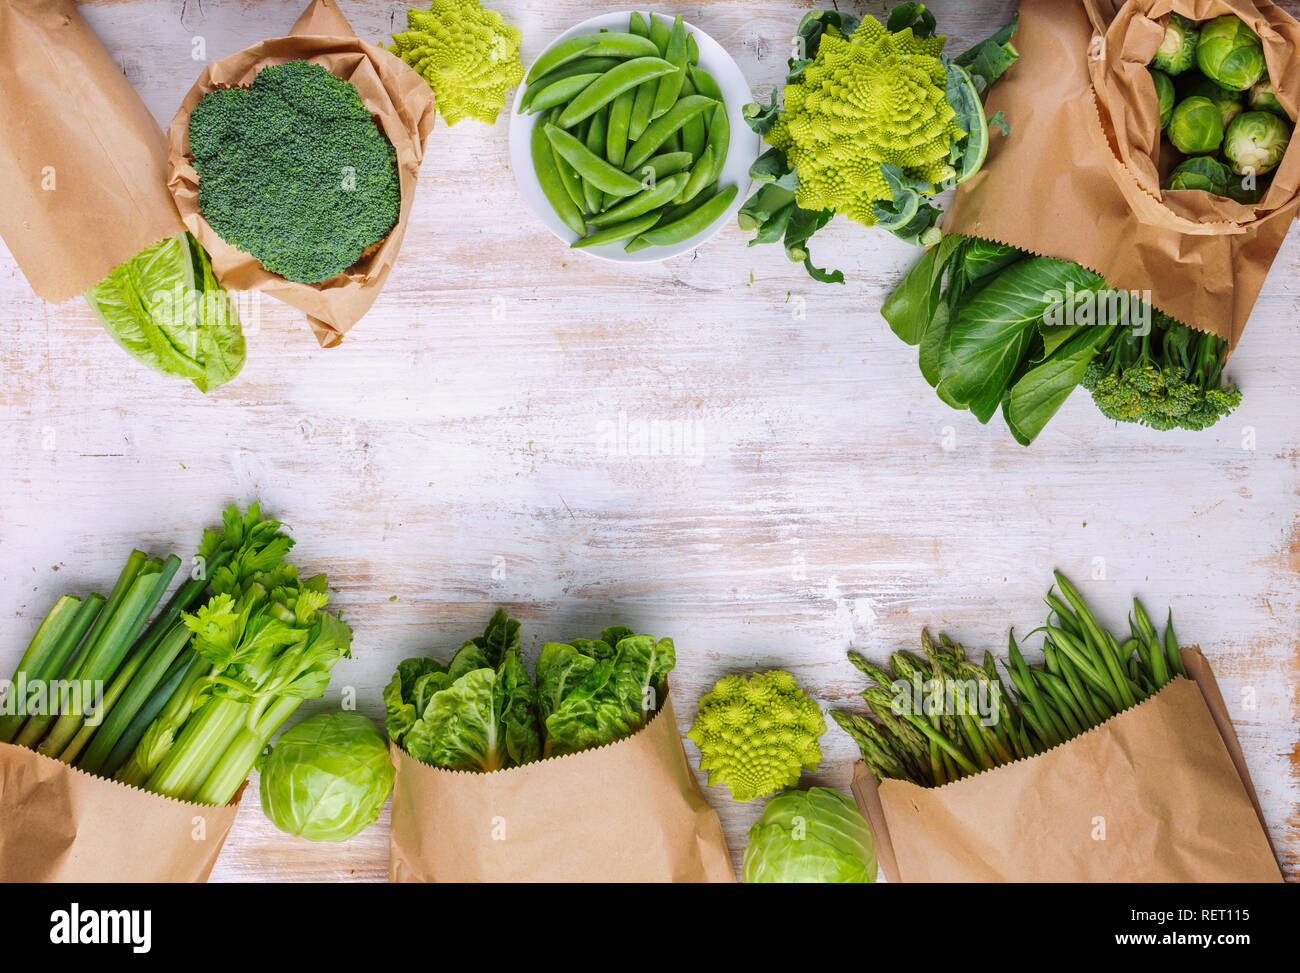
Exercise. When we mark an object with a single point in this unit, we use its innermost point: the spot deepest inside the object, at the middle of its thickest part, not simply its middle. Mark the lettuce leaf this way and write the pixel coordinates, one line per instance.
(166, 308)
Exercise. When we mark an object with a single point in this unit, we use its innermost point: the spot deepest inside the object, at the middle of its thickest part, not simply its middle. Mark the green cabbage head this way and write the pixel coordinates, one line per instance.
(327, 777)
(1230, 53)
(817, 835)
(1256, 142)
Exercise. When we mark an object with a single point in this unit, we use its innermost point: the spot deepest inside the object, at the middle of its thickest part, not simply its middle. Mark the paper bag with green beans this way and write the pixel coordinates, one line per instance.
(401, 104)
(88, 212)
(64, 825)
(1158, 793)
(1080, 179)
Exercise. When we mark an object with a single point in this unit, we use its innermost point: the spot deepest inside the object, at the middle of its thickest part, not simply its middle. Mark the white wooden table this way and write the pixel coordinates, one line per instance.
(463, 450)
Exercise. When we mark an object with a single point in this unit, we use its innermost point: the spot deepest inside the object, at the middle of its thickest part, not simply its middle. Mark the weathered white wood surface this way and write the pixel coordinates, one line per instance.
(462, 450)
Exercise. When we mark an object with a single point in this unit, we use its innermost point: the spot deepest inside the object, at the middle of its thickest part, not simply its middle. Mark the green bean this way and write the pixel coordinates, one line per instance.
(670, 86)
(613, 83)
(611, 43)
(584, 65)
(620, 114)
(701, 176)
(692, 223)
(548, 176)
(590, 166)
(618, 232)
(1171, 646)
(694, 132)
(562, 92)
(1155, 651)
(658, 131)
(651, 199)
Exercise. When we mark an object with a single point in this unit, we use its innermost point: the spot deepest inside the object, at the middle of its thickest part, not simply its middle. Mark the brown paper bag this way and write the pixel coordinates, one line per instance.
(401, 102)
(1165, 779)
(83, 163)
(629, 811)
(60, 824)
(1079, 176)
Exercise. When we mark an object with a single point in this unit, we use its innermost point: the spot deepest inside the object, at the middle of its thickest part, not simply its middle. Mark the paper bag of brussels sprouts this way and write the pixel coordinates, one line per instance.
(1156, 154)
(576, 774)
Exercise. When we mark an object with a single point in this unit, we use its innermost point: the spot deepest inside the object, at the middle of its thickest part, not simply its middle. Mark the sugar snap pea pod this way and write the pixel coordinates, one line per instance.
(620, 115)
(583, 65)
(654, 198)
(670, 86)
(637, 25)
(695, 132)
(701, 176)
(613, 83)
(719, 124)
(692, 49)
(705, 83)
(610, 44)
(590, 166)
(642, 105)
(548, 176)
(595, 141)
(659, 131)
(674, 213)
(561, 92)
(664, 164)
(568, 178)
(661, 33)
(618, 232)
(692, 223)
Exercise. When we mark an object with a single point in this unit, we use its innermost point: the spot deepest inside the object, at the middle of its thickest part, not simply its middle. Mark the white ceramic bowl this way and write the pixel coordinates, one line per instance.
(741, 153)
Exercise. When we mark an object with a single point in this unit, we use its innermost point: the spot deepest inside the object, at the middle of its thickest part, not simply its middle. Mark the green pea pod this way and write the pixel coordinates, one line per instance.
(613, 83)
(705, 83)
(590, 166)
(654, 198)
(609, 43)
(637, 25)
(695, 132)
(663, 165)
(692, 223)
(561, 92)
(701, 176)
(659, 131)
(620, 115)
(548, 176)
(618, 231)
(661, 33)
(583, 65)
(670, 86)
(674, 213)
(568, 178)
(719, 125)
(595, 141)
(692, 50)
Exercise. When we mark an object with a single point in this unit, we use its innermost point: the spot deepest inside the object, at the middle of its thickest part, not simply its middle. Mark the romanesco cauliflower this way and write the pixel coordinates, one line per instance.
(868, 99)
(756, 735)
(468, 54)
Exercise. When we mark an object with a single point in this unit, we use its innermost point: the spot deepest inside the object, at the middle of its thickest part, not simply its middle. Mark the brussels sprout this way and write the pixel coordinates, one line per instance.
(1200, 172)
(1255, 142)
(817, 835)
(1229, 102)
(1178, 49)
(327, 778)
(1262, 98)
(1230, 53)
(1165, 96)
(1196, 126)
(1237, 190)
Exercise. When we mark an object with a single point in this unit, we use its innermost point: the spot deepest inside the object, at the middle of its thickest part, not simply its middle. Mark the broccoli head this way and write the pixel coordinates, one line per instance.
(294, 171)
(1170, 378)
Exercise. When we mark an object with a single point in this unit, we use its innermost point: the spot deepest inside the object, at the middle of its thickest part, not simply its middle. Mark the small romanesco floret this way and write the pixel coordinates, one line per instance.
(868, 99)
(468, 54)
(757, 735)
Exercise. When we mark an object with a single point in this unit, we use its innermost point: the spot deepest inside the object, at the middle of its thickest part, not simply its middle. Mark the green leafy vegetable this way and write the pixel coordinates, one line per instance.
(165, 307)
(294, 171)
(757, 734)
(817, 835)
(327, 778)
(1230, 53)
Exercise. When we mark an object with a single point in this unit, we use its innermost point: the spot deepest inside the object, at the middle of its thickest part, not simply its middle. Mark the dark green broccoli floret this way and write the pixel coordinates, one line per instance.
(1168, 379)
(294, 171)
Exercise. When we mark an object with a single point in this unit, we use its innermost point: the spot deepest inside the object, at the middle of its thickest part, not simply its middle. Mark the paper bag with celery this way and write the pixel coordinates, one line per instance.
(336, 194)
(130, 725)
(579, 776)
(89, 211)
(1120, 231)
(1110, 761)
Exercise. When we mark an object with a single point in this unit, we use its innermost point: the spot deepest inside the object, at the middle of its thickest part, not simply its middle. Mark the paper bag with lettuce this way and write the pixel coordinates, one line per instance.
(89, 211)
(578, 776)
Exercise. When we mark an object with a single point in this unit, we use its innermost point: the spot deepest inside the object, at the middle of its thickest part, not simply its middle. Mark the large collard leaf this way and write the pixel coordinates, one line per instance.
(1042, 390)
(993, 328)
(165, 307)
(460, 728)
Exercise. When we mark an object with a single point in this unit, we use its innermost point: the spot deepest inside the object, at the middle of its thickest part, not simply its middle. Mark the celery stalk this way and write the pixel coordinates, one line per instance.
(57, 622)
